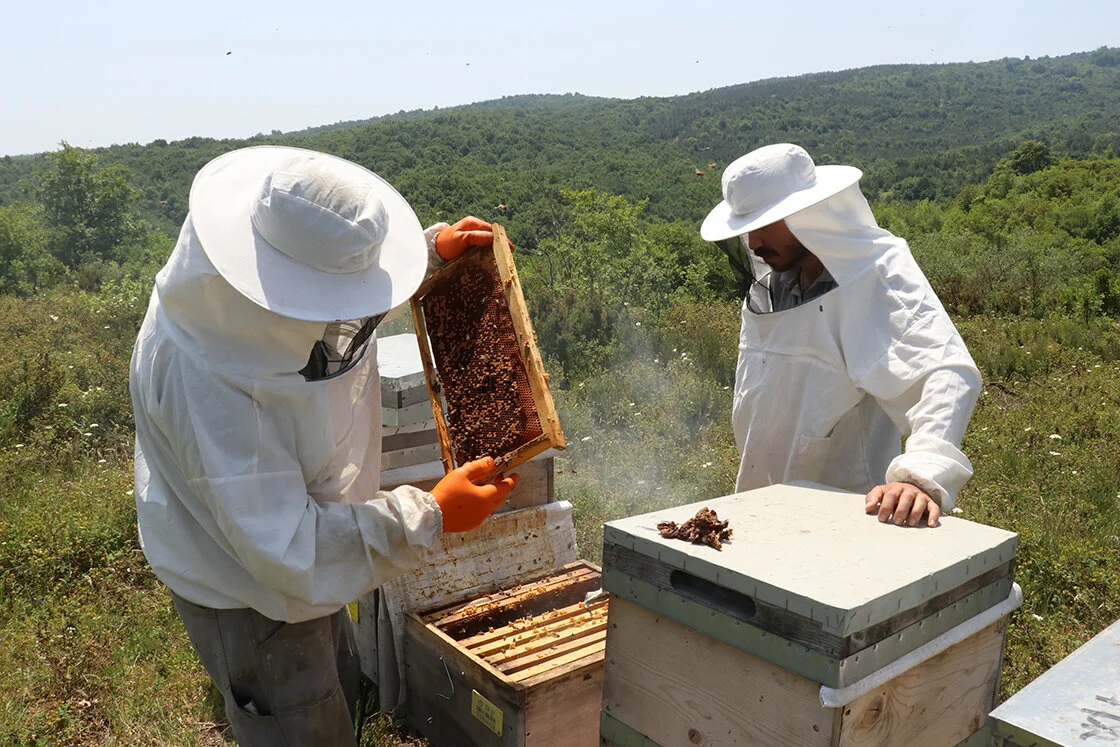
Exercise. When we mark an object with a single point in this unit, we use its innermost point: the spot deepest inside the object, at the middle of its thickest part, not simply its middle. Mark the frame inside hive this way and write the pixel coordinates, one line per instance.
(533, 628)
(488, 388)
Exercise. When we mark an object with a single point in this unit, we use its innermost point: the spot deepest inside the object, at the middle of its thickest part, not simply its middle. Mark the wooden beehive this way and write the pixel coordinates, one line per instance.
(519, 666)
(808, 627)
(488, 389)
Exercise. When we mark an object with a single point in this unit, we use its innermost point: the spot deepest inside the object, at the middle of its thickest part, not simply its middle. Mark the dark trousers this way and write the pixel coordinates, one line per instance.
(285, 684)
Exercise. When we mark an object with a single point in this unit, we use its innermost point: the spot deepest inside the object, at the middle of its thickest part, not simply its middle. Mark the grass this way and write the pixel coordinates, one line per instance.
(92, 653)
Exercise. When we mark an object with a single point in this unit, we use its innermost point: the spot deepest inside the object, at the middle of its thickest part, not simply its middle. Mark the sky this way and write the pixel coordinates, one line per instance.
(101, 73)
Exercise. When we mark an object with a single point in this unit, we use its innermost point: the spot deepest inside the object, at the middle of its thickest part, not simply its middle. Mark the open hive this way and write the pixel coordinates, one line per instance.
(532, 627)
(519, 666)
(489, 391)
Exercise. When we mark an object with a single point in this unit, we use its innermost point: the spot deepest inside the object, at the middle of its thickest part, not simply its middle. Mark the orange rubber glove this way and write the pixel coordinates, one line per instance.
(466, 504)
(470, 231)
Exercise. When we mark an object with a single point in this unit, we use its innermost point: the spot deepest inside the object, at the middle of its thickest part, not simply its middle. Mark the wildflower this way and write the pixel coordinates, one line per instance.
(128, 492)
(54, 318)
(707, 464)
(1037, 617)
(957, 510)
(1055, 437)
(63, 404)
(1055, 453)
(637, 324)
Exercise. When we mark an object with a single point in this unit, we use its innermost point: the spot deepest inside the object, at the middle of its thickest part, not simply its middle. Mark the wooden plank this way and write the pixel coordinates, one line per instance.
(434, 388)
(673, 683)
(440, 678)
(565, 709)
(519, 544)
(587, 640)
(527, 339)
(591, 648)
(940, 702)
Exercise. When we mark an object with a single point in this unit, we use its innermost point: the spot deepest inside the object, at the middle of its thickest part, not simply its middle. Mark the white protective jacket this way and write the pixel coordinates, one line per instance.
(254, 487)
(825, 391)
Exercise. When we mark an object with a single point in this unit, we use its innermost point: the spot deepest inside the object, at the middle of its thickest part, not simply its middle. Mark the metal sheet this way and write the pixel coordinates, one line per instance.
(1075, 702)
(813, 550)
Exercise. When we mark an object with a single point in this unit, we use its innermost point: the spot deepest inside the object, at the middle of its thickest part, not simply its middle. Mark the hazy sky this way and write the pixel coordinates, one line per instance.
(99, 73)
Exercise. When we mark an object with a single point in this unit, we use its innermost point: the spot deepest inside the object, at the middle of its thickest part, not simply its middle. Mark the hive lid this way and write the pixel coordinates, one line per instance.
(813, 551)
(398, 362)
(1077, 701)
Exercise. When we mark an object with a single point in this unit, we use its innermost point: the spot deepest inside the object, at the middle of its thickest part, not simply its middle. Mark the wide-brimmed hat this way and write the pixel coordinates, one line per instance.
(769, 184)
(308, 235)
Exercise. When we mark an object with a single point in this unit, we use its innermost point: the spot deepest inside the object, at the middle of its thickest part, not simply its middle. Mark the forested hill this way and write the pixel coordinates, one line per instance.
(918, 131)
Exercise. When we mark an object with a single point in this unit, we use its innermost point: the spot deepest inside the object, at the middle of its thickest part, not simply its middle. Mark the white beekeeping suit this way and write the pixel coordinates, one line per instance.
(257, 487)
(825, 391)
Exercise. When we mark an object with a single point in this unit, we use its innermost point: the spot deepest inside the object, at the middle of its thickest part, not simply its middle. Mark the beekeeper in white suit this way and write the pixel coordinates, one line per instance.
(844, 347)
(257, 402)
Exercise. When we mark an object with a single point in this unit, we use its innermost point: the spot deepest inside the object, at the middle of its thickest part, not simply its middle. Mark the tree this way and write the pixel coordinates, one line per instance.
(25, 264)
(1030, 157)
(89, 211)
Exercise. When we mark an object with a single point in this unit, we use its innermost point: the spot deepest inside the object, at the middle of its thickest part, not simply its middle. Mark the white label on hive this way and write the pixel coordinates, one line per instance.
(486, 712)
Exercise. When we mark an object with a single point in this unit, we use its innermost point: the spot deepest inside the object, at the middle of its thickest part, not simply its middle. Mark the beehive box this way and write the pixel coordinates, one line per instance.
(408, 430)
(1076, 702)
(519, 666)
(810, 602)
(488, 388)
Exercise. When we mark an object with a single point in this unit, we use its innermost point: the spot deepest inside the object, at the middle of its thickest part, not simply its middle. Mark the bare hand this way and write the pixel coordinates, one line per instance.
(902, 504)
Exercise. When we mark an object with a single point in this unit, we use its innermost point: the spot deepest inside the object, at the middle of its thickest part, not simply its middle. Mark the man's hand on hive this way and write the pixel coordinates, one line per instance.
(902, 504)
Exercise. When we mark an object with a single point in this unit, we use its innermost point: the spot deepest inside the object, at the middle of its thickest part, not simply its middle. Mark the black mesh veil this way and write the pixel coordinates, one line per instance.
(340, 348)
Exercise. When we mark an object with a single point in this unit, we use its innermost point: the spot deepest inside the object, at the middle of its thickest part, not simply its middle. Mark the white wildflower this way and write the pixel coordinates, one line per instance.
(63, 404)
(128, 492)
(1055, 453)
(1037, 617)
(1055, 437)
(958, 510)
(637, 324)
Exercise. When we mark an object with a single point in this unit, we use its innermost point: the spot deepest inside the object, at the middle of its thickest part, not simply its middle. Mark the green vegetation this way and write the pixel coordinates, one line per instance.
(1002, 176)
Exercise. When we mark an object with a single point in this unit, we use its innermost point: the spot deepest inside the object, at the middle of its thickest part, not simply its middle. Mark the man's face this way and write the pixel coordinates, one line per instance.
(776, 245)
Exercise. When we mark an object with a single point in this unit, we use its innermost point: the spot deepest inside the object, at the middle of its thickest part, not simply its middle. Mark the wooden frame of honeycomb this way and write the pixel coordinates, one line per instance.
(486, 382)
